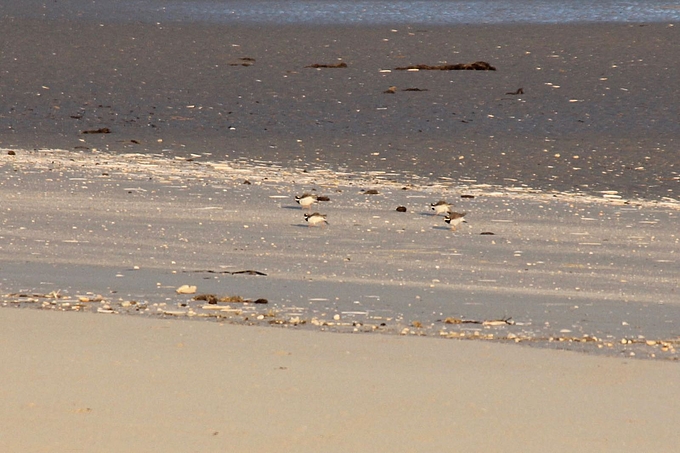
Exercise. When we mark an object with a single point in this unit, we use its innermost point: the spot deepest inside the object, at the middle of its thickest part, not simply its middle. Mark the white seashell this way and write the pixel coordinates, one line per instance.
(186, 289)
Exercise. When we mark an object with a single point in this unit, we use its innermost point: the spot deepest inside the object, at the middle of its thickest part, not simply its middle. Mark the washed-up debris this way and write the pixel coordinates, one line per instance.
(487, 233)
(492, 322)
(515, 93)
(248, 272)
(186, 289)
(208, 307)
(401, 209)
(213, 299)
(322, 198)
(101, 130)
(371, 192)
(476, 66)
(390, 90)
(467, 196)
(342, 64)
(11, 153)
(244, 272)
(244, 61)
(51, 295)
(85, 299)
(415, 89)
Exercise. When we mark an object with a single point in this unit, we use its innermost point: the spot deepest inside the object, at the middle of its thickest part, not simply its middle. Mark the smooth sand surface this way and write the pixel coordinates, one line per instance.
(94, 383)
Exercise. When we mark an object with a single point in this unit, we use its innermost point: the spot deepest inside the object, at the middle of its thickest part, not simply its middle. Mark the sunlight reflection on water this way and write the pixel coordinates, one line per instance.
(427, 12)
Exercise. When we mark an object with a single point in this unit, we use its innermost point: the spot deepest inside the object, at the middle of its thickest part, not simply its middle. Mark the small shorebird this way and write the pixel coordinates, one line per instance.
(454, 219)
(440, 207)
(306, 200)
(316, 219)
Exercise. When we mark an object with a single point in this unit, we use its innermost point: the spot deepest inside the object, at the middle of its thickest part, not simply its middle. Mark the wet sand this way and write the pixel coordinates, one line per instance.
(598, 111)
(120, 233)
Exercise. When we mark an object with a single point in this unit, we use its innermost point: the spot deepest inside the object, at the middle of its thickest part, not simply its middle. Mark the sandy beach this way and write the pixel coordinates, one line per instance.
(566, 270)
(105, 354)
(82, 382)
(160, 289)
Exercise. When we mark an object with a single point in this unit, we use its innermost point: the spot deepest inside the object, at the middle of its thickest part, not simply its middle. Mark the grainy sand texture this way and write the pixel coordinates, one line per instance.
(96, 383)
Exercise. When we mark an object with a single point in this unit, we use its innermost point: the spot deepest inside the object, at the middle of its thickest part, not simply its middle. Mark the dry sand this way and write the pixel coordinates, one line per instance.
(95, 383)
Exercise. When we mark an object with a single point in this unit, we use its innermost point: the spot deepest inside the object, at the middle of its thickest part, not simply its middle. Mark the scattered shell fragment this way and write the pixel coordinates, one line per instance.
(186, 289)
(174, 313)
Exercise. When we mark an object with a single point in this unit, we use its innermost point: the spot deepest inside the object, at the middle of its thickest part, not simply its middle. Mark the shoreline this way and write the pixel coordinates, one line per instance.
(594, 115)
(120, 233)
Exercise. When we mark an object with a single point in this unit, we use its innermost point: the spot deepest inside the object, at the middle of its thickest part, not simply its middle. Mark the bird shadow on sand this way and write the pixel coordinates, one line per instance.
(303, 225)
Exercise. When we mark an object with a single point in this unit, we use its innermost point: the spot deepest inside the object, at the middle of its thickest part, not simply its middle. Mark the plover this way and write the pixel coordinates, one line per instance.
(316, 219)
(306, 200)
(454, 219)
(440, 207)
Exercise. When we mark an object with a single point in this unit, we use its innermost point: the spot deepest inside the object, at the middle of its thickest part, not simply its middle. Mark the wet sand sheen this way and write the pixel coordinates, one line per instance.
(589, 273)
(597, 109)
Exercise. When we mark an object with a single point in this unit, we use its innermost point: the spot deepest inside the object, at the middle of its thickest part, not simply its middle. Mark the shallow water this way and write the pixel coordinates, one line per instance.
(358, 12)
(427, 12)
